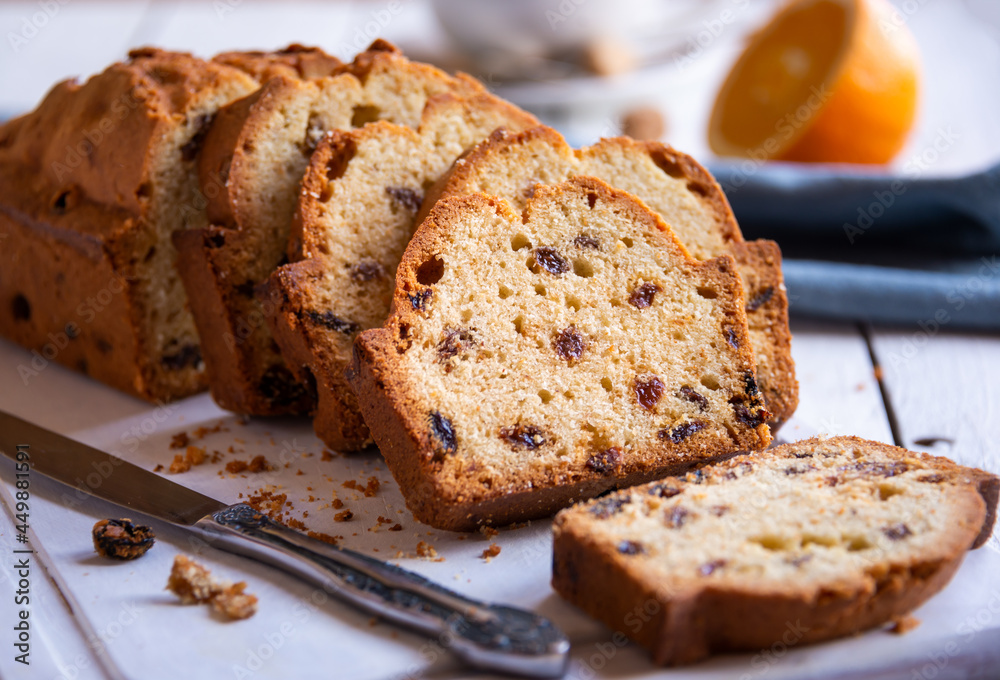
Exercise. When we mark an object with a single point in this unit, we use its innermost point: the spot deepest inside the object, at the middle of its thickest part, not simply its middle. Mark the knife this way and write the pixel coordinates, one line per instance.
(486, 636)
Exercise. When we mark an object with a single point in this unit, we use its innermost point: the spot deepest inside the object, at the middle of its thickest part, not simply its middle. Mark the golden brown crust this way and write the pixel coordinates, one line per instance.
(294, 61)
(759, 262)
(681, 619)
(438, 492)
(77, 194)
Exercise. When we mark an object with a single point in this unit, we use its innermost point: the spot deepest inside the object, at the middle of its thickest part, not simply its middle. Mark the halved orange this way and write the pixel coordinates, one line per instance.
(824, 81)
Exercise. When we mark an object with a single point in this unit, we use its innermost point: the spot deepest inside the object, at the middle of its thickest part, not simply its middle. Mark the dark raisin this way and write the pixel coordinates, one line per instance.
(587, 241)
(215, 239)
(190, 150)
(630, 548)
(20, 308)
(455, 341)
(934, 478)
(677, 517)
(689, 394)
(879, 469)
(63, 201)
(760, 299)
(665, 490)
(523, 436)
(120, 539)
(799, 560)
(719, 510)
(187, 356)
(407, 198)
(682, 431)
(420, 299)
(799, 470)
(333, 322)
(648, 391)
(802, 455)
(315, 129)
(367, 270)
(280, 387)
(732, 338)
(750, 385)
(605, 461)
(608, 506)
(710, 568)
(696, 476)
(103, 346)
(549, 259)
(72, 331)
(569, 344)
(752, 416)
(444, 433)
(897, 532)
(642, 296)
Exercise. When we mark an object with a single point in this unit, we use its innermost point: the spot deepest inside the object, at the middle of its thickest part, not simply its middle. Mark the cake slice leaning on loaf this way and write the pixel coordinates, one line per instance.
(831, 536)
(254, 157)
(356, 214)
(534, 360)
(92, 184)
(676, 187)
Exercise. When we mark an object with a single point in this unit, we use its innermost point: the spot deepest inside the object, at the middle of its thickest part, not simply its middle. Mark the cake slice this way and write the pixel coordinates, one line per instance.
(682, 192)
(254, 157)
(356, 214)
(817, 539)
(536, 359)
(92, 184)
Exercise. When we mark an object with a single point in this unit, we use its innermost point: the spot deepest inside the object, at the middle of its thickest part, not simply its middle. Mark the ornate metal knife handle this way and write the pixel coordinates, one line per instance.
(484, 635)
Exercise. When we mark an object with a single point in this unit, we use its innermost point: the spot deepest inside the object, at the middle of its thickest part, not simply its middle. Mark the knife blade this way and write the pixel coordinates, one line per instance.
(487, 636)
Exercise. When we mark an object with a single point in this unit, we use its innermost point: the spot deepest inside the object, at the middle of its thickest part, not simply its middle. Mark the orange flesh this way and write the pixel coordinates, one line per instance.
(779, 73)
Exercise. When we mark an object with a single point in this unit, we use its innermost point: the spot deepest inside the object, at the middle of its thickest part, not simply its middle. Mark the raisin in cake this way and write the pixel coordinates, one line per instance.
(92, 183)
(836, 535)
(356, 214)
(533, 360)
(682, 192)
(254, 157)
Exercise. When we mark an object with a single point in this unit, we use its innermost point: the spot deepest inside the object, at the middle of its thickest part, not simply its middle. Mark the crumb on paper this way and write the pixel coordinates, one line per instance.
(370, 488)
(158, 468)
(179, 440)
(234, 603)
(903, 624)
(195, 455)
(396, 527)
(326, 538)
(488, 531)
(491, 552)
(337, 504)
(194, 584)
(425, 549)
(120, 539)
(260, 464)
(343, 516)
(327, 455)
(191, 582)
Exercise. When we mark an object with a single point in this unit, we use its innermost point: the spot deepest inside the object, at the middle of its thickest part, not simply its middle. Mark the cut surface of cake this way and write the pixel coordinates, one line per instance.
(535, 359)
(355, 217)
(834, 536)
(682, 192)
(254, 158)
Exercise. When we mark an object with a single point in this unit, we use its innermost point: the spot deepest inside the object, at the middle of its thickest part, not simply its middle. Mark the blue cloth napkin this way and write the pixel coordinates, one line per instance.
(878, 247)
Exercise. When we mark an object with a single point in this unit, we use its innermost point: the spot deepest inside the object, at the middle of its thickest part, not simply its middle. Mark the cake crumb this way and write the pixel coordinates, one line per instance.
(326, 538)
(343, 516)
(491, 552)
(180, 440)
(120, 539)
(425, 549)
(195, 455)
(337, 504)
(326, 455)
(234, 603)
(158, 468)
(488, 531)
(194, 584)
(191, 582)
(236, 466)
(179, 465)
(396, 527)
(903, 624)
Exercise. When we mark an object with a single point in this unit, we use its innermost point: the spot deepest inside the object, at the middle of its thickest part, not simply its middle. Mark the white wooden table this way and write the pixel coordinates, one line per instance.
(92, 618)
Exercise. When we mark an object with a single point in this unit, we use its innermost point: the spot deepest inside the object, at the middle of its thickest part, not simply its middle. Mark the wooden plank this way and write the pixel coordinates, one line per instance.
(945, 389)
(838, 392)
